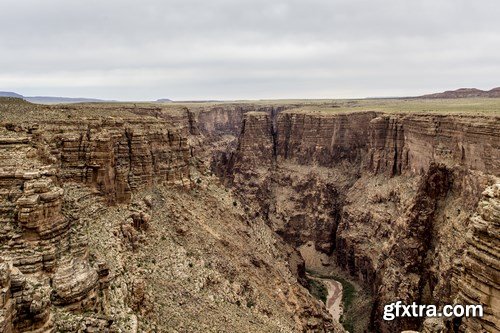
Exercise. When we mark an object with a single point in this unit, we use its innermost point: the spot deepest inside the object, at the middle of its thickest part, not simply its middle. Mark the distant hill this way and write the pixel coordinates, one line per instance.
(465, 93)
(50, 99)
(64, 100)
(10, 94)
(56, 100)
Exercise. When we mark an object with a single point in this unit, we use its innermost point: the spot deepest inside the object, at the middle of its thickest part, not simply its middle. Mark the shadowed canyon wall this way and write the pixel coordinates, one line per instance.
(390, 196)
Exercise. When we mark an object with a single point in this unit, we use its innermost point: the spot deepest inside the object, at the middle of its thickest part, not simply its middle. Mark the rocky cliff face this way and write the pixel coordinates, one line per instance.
(116, 156)
(389, 195)
(477, 280)
(38, 239)
(322, 139)
(42, 236)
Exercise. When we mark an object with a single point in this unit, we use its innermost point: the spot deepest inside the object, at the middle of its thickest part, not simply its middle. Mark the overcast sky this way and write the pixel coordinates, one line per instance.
(247, 49)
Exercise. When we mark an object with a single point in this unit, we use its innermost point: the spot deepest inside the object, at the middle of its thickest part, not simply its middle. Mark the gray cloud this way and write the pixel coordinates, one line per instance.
(221, 49)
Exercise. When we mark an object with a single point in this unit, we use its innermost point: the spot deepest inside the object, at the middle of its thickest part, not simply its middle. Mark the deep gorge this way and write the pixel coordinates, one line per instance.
(405, 204)
(389, 196)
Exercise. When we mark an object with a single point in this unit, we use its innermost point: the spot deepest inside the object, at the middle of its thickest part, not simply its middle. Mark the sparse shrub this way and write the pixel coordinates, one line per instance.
(349, 294)
(317, 289)
(250, 303)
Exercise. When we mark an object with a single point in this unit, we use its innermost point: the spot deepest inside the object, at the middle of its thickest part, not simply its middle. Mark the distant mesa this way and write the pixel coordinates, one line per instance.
(450, 94)
(465, 93)
(10, 94)
(55, 100)
(64, 100)
(50, 99)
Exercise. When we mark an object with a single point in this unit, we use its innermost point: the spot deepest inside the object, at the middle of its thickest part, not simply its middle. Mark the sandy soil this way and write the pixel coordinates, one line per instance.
(334, 298)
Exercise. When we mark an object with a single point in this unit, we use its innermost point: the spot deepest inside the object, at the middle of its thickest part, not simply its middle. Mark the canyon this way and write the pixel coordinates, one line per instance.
(194, 217)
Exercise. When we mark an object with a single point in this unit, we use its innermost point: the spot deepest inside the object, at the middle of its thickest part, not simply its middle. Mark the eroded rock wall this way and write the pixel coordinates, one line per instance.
(323, 139)
(479, 277)
(43, 238)
(46, 247)
(471, 142)
(390, 194)
(117, 157)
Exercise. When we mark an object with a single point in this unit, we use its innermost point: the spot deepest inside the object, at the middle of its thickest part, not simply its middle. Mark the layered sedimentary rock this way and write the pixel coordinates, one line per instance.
(479, 279)
(321, 138)
(256, 144)
(222, 120)
(47, 248)
(400, 210)
(42, 235)
(404, 272)
(7, 304)
(117, 158)
(470, 142)
(220, 127)
(386, 141)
